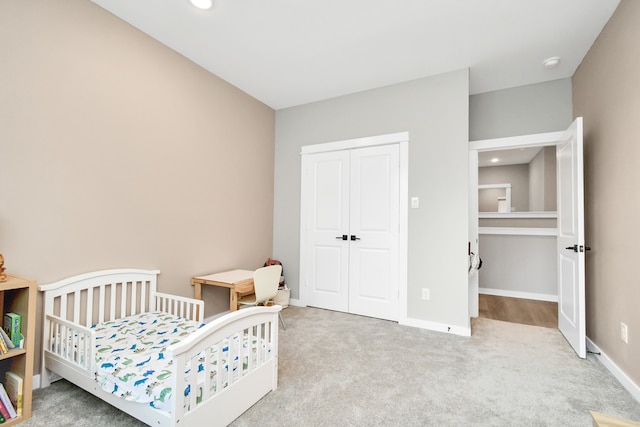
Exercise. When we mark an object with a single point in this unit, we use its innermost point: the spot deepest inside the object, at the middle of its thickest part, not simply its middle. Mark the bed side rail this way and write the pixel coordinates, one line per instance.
(69, 341)
(187, 308)
(250, 338)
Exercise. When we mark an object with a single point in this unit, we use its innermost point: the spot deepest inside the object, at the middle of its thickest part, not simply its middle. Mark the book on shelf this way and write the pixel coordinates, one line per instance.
(6, 339)
(13, 384)
(4, 398)
(4, 411)
(12, 325)
(3, 346)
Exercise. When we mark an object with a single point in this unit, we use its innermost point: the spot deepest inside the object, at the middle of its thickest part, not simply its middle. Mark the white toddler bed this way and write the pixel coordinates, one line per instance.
(148, 353)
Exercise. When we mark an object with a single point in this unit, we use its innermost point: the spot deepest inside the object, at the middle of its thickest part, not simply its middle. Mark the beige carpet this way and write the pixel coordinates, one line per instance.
(343, 370)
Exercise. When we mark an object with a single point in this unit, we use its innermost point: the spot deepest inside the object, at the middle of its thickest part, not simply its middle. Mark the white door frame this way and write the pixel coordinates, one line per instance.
(402, 139)
(536, 140)
(522, 141)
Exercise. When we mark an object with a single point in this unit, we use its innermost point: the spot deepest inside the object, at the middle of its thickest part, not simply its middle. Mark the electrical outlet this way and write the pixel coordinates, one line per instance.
(624, 333)
(426, 294)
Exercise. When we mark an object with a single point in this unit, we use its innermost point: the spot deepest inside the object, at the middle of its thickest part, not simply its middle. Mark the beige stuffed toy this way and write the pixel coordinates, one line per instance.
(3, 277)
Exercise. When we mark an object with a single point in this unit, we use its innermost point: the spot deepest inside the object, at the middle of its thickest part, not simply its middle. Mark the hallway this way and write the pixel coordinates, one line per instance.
(518, 310)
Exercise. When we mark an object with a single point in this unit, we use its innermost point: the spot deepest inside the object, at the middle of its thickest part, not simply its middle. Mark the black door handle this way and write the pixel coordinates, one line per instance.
(343, 237)
(581, 249)
(354, 238)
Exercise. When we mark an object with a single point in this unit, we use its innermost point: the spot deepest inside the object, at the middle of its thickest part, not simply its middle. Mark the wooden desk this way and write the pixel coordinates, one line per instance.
(239, 282)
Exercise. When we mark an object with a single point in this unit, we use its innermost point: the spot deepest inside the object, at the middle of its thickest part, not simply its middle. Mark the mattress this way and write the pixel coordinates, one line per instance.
(132, 364)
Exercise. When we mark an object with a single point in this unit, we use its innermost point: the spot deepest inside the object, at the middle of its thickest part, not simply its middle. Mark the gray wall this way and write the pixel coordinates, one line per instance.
(434, 111)
(542, 181)
(519, 264)
(536, 182)
(550, 180)
(537, 108)
(543, 107)
(516, 175)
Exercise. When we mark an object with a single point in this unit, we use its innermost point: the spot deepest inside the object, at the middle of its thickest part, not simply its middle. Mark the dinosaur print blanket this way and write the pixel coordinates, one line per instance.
(131, 362)
(130, 356)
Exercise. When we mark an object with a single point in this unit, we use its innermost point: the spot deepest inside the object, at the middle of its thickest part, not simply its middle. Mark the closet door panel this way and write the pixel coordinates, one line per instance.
(327, 216)
(351, 223)
(374, 223)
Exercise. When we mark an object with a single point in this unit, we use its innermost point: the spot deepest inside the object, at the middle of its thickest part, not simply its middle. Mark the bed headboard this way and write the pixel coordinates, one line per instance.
(101, 296)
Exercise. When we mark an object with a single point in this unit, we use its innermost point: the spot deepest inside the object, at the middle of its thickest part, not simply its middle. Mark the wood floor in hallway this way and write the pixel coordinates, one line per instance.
(518, 310)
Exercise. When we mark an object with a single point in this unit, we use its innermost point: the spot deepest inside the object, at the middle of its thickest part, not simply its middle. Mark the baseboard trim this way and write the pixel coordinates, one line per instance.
(517, 294)
(416, 323)
(296, 302)
(618, 373)
(35, 382)
(438, 327)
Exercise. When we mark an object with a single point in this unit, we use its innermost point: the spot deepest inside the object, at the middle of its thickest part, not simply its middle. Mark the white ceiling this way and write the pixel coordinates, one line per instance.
(514, 156)
(292, 52)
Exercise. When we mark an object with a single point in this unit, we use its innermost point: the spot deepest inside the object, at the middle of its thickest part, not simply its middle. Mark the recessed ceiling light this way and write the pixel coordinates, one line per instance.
(551, 62)
(202, 4)
(495, 160)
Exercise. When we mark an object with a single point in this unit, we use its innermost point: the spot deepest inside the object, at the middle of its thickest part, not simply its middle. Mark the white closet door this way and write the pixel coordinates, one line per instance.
(351, 204)
(327, 218)
(374, 223)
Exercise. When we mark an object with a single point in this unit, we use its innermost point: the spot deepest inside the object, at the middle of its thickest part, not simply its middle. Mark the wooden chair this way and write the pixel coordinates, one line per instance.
(265, 288)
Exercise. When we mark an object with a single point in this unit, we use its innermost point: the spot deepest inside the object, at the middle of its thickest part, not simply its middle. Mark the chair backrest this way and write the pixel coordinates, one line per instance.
(265, 282)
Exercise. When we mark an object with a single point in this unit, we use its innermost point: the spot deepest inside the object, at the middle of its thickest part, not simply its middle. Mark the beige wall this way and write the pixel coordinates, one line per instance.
(606, 92)
(115, 151)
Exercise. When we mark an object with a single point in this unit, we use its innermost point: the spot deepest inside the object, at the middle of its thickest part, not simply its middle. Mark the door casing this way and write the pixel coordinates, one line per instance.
(400, 138)
(536, 140)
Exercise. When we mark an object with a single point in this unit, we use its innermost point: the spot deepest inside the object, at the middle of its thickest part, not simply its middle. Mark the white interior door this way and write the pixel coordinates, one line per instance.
(375, 226)
(474, 241)
(352, 203)
(571, 244)
(326, 188)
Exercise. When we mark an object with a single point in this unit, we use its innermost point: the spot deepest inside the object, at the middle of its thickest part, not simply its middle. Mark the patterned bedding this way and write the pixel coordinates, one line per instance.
(131, 363)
